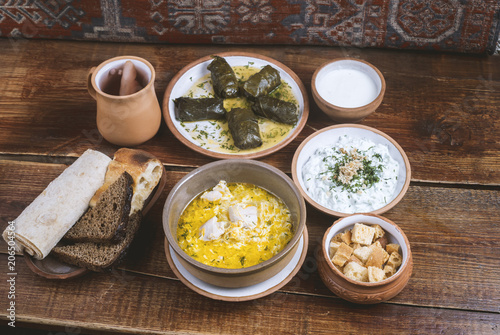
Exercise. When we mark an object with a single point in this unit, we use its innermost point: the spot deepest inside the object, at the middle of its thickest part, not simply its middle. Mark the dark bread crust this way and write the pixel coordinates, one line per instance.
(99, 257)
(106, 222)
(138, 157)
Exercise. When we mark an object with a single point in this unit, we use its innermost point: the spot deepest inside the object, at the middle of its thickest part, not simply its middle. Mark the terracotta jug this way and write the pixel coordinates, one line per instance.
(130, 119)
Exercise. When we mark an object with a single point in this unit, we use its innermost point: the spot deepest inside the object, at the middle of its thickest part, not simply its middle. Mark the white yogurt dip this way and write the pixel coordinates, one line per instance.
(352, 175)
(347, 88)
(348, 83)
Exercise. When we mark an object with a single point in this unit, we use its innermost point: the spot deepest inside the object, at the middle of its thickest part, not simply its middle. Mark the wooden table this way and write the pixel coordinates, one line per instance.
(443, 109)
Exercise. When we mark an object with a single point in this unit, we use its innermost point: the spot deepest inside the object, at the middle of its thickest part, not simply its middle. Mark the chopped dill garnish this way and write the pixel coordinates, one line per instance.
(352, 171)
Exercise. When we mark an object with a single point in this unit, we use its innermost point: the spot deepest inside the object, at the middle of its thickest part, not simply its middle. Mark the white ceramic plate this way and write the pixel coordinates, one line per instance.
(329, 136)
(190, 74)
(242, 293)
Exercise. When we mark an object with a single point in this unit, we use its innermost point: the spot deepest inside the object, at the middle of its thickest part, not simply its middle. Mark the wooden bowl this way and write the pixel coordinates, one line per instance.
(348, 90)
(329, 136)
(361, 292)
(191, 73)
(243, 171)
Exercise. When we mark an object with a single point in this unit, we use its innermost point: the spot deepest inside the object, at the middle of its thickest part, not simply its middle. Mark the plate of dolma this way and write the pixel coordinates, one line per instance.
(268, 99)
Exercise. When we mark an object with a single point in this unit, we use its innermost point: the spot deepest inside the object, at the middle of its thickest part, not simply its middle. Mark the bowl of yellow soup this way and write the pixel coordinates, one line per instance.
(234, 223)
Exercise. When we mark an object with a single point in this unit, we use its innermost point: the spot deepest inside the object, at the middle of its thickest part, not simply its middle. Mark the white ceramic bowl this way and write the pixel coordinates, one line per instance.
(328, 136)
(191, 73)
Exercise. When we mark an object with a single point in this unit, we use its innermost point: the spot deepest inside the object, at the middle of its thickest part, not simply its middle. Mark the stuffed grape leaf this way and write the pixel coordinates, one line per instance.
(223, 77)
(244, 128)
(262, 83)
(198, 109)
(276, 109)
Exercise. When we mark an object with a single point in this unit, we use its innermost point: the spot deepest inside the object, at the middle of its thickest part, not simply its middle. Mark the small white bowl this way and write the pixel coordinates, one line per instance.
(348, 90)
(329, 136)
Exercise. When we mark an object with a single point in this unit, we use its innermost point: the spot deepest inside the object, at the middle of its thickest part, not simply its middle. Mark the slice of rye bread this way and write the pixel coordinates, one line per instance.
(99, 257)
(107, 220)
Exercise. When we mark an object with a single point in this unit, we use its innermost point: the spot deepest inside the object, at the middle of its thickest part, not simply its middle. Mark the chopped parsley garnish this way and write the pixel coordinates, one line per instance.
(352, 170)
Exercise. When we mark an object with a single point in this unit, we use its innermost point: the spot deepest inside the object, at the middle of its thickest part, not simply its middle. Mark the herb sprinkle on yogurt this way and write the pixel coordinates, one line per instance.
(351, 176)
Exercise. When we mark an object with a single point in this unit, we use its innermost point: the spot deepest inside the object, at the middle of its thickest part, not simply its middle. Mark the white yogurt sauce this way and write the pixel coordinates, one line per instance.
(349, 88)
(317, 177)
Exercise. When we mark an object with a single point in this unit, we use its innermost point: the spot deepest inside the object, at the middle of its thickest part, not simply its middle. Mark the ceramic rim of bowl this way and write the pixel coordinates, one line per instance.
(335, 213)
(254, 268)
(376, 100)
(106, 66)
(326, 241)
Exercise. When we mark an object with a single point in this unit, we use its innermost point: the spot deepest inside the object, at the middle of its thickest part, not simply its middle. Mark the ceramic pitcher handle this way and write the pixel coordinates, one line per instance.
(91, 88)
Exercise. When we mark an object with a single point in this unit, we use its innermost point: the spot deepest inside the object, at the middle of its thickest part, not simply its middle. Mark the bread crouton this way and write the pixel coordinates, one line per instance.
(389, 271)
(355, 246)
(333, 248)
(356, 260)
(356, 272)
(379, 232)
(375, 274)
(337, 238)
(379, 246)
(392, 247)
(376, 258)
(382, 240)
(342, 255)
(362, 234)
(346, 237)
(395, 260)
(363, 253)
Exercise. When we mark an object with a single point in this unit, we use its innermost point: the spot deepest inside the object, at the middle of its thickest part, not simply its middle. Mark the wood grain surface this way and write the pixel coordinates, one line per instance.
(441, 108)
(455, 250)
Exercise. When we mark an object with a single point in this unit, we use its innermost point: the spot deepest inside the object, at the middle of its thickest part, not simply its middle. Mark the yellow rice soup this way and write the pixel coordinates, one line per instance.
(234, 225)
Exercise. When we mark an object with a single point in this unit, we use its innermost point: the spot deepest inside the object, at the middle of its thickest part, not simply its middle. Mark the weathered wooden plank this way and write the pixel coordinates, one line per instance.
(453, 233)
(441, 108)
(131, 303)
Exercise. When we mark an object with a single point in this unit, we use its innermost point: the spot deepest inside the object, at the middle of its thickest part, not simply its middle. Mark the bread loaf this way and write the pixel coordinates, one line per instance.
(145, 169)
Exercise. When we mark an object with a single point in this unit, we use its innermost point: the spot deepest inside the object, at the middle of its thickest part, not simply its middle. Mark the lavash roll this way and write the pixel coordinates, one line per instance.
(45, 221)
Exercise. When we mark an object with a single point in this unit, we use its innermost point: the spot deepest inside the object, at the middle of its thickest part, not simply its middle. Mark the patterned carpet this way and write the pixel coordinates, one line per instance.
(469, 26)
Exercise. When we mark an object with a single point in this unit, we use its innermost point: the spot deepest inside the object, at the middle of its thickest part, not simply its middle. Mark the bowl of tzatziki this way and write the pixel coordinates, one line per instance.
(350, 168)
